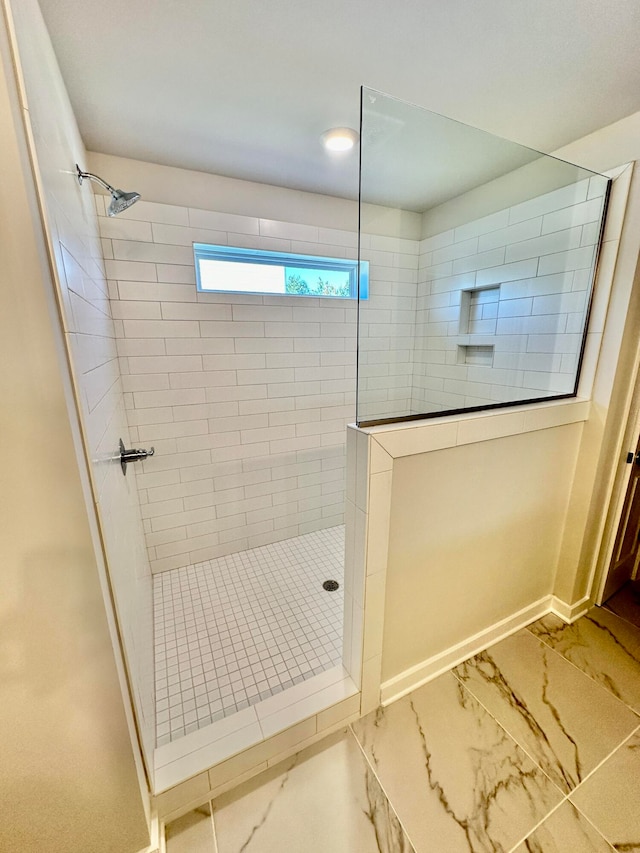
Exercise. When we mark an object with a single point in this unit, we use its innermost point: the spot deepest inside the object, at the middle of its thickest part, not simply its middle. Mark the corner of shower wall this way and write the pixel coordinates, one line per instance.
(69, 218)
(369, 480)
(387, 318)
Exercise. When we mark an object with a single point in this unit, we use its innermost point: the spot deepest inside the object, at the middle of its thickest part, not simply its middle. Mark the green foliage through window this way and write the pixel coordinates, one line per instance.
(296, 284)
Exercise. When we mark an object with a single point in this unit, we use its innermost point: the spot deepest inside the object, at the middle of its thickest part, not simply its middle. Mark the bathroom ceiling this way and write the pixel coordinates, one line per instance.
(245, 88)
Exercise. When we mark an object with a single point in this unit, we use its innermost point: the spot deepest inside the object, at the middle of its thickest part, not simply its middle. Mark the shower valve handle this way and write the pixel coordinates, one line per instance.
(132, 455)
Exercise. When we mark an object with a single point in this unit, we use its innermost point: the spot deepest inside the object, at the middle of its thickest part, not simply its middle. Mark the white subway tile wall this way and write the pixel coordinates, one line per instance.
(233, 631)
(501, 302)
(244, 397)
(387, 327)
(227, 384)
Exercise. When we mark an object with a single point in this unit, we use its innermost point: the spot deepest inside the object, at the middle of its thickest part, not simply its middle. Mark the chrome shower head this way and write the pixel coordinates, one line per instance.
(120, 200)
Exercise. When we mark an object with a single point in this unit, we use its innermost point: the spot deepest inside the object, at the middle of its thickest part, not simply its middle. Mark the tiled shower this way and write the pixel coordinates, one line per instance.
(245, 399)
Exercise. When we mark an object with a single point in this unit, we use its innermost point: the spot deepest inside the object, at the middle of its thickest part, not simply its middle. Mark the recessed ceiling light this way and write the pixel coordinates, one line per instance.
(339, 139)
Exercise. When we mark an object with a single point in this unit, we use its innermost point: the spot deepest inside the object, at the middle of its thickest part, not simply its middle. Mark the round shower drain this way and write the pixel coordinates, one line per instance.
(330, 586)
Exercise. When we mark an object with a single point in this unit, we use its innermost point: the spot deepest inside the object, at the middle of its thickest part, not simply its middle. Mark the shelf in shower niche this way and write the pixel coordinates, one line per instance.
(480, 355)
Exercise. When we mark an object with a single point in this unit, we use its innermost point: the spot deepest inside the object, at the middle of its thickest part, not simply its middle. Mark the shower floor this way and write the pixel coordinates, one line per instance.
(233, 631)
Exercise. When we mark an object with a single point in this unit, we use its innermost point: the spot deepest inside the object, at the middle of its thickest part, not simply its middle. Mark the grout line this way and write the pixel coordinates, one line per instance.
(526, 751)
(575, 666)
(593, 826)
(509, 735)
(382, 788)
(604, 760)
(538, 825)
(565, 797)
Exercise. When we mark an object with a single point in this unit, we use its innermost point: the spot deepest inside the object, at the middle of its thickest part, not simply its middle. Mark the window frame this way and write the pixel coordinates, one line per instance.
(358, 270)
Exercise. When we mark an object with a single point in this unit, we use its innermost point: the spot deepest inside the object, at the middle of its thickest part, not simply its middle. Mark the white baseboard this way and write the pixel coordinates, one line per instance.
(570, 612)
(418, 675)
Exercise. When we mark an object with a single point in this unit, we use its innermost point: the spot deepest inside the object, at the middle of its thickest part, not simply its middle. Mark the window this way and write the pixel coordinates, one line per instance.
(229, 270)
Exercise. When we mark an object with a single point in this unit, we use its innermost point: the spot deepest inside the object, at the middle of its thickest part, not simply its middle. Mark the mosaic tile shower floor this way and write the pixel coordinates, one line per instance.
(235, 630)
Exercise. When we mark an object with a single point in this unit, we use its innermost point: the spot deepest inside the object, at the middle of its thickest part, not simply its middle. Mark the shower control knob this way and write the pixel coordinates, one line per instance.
(132, 455)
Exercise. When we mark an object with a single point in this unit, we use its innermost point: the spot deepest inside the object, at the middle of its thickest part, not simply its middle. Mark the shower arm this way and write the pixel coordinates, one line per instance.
(82, 175)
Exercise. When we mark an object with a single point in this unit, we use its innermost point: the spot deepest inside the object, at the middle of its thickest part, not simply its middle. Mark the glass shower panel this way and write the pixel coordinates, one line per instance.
(481, 254)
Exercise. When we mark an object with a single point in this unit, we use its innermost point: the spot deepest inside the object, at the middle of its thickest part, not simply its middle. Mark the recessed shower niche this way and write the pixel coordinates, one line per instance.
(478, 316)
(479, 310)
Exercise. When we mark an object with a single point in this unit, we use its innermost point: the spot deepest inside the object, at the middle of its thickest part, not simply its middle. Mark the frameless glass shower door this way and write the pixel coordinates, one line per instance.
(483, 301)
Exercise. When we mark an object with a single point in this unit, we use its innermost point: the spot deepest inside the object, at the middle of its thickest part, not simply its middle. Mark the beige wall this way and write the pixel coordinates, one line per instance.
(68, 779)
(78, 270)
(474, 538)
(584, 558)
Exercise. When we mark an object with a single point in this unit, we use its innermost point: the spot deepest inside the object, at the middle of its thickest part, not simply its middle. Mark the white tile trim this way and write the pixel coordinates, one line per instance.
(423, 436)
(195, 753)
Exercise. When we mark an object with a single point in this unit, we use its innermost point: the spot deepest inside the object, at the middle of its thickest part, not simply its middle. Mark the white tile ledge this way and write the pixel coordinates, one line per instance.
(195, 753)
(423, 436)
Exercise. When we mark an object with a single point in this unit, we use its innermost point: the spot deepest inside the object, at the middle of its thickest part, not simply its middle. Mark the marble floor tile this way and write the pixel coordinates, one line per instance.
(626, 603)
(548, 706)
(324, 800)
(565, 831)
(457, 780)
(602, 645)
(609, 797)
(192, 833)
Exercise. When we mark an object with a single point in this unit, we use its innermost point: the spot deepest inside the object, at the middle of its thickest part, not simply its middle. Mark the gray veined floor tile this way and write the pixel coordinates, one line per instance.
(324, 800)
(565, 831)
(548, 706)
(610, 797)
(602, 645)
(192, 833)
(457, 780)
